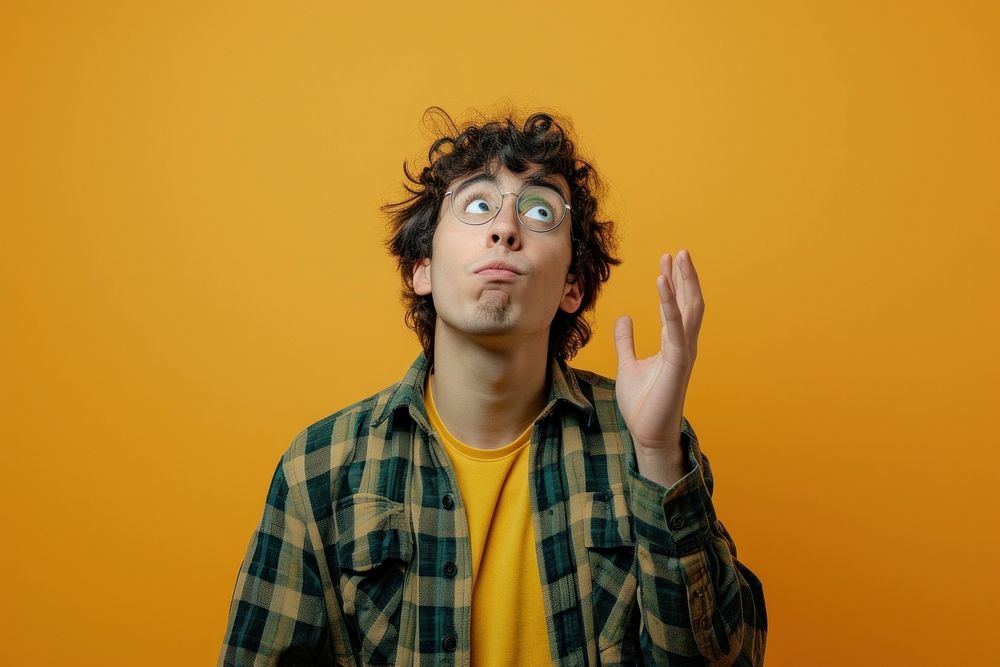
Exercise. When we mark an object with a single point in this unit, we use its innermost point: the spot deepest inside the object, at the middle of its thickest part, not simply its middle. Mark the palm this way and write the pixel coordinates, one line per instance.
(651, 391)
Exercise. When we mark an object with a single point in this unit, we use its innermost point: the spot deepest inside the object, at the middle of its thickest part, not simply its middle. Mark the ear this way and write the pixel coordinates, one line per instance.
(422, 277)
(572, 295)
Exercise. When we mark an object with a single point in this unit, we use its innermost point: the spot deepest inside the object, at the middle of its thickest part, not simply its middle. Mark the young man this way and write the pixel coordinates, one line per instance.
(495, 506)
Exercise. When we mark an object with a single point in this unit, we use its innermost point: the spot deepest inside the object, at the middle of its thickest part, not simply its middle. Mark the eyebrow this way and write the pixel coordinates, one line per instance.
(547, 182)
(543, 181)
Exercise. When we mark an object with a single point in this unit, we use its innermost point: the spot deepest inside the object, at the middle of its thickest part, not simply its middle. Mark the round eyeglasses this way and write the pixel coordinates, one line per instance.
(478, 200)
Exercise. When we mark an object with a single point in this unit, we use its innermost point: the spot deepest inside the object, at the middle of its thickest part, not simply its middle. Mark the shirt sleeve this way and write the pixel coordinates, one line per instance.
(277, 615)
(698, 603)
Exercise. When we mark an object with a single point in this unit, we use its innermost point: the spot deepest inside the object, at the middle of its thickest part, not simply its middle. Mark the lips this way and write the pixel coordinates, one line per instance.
(497, 274)
(497, 268)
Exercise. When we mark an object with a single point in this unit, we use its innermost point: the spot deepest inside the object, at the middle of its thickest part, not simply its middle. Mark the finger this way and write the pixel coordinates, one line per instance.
(687, 280)
(677, 282)
(624, 340)
(672, 336)
(694, 302)
(665, 267)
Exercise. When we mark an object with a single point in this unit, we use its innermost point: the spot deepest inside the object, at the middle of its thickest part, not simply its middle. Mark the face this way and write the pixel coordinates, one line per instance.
(518, 299)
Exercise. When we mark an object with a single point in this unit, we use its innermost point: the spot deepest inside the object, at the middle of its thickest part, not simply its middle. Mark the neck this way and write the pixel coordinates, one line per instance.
(487, 395)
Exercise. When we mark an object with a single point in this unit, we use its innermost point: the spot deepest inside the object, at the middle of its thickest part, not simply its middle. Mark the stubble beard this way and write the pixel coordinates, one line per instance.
(493, 311)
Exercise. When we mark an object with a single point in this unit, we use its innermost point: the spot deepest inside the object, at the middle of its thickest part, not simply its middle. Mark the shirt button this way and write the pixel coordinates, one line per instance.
(449, 643)
(447, 502)
(450, 569)
(677, 521)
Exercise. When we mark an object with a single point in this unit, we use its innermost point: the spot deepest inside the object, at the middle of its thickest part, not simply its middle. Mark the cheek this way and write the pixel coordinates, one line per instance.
(447, 265)
(555, 278)
(560, 260)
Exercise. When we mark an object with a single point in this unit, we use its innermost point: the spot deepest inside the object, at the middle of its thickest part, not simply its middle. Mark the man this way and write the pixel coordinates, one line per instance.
(496, 506)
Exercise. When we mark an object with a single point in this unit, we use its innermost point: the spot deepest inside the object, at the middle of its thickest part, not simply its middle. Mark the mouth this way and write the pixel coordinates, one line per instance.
(501, 274)
(498, 270)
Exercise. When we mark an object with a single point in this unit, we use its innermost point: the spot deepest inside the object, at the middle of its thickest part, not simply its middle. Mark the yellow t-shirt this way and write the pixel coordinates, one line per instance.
(508, 615)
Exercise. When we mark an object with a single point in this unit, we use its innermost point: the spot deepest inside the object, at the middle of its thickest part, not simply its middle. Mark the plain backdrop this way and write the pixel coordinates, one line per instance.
(192, 271)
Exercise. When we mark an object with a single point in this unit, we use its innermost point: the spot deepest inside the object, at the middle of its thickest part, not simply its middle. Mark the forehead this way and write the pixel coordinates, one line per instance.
(511, 180)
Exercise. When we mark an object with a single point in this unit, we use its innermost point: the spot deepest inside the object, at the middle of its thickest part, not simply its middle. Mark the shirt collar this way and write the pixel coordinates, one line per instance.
(409, 393)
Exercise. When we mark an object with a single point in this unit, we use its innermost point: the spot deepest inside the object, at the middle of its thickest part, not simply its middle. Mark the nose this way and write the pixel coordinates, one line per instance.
(505, 228)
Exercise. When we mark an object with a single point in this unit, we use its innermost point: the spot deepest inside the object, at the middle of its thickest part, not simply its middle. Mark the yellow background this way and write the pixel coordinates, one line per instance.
(192, 272)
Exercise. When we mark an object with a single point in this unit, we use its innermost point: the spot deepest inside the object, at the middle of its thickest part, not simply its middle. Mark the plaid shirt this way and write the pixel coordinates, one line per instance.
(362, 555)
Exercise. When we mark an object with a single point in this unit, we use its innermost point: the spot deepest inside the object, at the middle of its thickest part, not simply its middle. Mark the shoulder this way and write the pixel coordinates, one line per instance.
(592, 397)
(322, 445)
(597, 390)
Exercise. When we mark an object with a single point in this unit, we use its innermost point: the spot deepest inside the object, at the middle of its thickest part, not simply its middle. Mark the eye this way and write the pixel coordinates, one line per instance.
(538, 211)
(477, 205)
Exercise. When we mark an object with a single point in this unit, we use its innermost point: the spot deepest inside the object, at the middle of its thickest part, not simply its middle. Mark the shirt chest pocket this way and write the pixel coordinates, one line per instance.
(374, 550)
(610, 546)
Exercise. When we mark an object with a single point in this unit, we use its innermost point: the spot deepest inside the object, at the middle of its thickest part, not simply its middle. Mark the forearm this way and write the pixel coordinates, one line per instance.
(699, 603)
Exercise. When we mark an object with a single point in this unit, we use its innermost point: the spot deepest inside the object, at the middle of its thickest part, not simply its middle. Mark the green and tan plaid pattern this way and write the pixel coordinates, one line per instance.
(362, 556)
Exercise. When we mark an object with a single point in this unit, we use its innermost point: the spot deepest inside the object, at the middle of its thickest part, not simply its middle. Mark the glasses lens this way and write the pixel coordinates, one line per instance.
(540, 208)
(476, 202)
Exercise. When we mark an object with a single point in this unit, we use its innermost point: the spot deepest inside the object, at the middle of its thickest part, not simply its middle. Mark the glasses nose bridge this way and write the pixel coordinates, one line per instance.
(503, 198)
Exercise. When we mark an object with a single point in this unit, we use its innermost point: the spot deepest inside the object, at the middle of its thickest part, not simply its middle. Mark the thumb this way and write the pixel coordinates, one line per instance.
(624, 342)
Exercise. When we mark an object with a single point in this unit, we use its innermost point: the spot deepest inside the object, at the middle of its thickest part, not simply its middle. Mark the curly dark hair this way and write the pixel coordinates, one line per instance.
(540, 139)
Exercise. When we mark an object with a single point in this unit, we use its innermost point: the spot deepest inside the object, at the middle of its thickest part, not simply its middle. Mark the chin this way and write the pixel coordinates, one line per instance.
(493, 307)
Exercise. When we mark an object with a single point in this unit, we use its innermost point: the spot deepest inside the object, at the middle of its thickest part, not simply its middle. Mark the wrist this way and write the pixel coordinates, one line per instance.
(663, 465)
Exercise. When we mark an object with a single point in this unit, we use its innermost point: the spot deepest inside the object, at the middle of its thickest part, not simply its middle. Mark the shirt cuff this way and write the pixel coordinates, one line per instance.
(675, 520)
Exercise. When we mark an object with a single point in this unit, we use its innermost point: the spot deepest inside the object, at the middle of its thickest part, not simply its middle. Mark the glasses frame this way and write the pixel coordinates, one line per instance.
(517, 207)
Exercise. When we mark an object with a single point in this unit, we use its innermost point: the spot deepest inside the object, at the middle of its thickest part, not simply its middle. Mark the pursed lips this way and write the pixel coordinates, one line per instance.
(499, 270)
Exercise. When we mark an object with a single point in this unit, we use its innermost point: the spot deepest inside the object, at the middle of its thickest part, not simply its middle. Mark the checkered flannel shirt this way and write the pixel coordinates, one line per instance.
(362, 555)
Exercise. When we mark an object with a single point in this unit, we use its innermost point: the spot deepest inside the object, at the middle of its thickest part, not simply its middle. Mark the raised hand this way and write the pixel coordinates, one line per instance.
(651, 391)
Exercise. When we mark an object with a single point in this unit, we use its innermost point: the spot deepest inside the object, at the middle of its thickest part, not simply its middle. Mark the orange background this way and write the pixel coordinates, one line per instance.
(192, 272)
